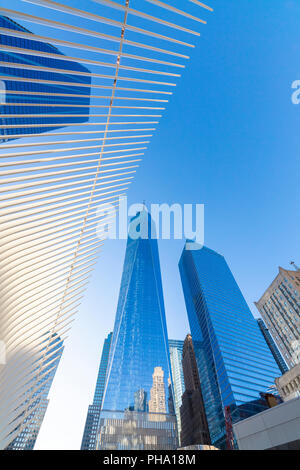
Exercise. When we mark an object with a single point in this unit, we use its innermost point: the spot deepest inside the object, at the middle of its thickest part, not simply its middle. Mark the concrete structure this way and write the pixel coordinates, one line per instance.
(198, 447)
(194, 427)
(288, 384)
(139, 362)
(234, 361)
(279, 307)
(157, 402)
(45, 270)
(277, 428)
(140, 400)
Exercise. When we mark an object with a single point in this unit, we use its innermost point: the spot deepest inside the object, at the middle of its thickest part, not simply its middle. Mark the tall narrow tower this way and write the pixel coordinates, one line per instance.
(93, 414)
(157, 402)
(139, 354)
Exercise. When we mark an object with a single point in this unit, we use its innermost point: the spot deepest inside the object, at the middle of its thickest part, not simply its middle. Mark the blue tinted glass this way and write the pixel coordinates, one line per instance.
(42, 87)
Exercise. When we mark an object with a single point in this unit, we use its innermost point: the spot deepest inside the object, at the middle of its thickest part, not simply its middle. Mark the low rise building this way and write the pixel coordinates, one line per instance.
(277, 428)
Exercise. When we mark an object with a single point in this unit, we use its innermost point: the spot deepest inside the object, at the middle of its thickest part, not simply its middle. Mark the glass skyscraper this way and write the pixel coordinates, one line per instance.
(234, 361)
(273, 348)
(135, 411)
(176, 348)
(41, 384)
(35, 83)
(93, 414)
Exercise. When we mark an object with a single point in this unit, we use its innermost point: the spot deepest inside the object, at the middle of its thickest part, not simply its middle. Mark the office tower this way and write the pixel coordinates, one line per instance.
(171, 406)
(33, 95)
(234, 361)
(93, 414)
(279, 307)
(34, 412)
(175, 348)
(277, 428)
(273, 348)
(157, 402)
(193, 418)
(139, 356)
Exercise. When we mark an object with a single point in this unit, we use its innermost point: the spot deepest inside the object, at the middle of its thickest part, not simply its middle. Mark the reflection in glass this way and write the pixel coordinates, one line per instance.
(139, 366)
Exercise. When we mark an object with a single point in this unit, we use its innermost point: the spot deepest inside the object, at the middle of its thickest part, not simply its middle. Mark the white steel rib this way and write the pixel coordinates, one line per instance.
(80, 92)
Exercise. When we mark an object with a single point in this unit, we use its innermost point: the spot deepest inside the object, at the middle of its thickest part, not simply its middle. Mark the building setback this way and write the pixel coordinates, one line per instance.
(234, 362)
(93, 414)
(279, 307)
(194, 427)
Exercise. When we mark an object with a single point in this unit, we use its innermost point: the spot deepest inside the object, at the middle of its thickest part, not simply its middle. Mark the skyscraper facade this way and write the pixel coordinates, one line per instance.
(234, 361)
(36, 410)
(39, 86)
(175, 348)
(139, 356)
(193, 417)
(279, 307)
(93, 414)
(157, 402)
(273, 348)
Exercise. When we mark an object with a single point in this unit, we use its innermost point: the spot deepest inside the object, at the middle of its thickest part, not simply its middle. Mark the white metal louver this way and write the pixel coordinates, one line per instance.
(82, 87)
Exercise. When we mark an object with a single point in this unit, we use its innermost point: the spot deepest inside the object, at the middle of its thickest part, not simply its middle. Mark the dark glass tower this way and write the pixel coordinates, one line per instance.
(30, 95)
(273, 348)
(93, 414)
(234, 361)
(139, 367)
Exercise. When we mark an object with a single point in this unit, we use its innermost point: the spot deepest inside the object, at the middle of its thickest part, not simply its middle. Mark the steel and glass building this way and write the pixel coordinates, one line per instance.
(139, 364)
(193, 417)
(234, 361)
(273, 348)
(38, 85)
(175, 348)
(279, 307)
(35, 410)
(93, 414)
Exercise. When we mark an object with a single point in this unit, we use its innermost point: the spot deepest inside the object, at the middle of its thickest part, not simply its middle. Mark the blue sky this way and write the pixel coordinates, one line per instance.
(229, 139)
